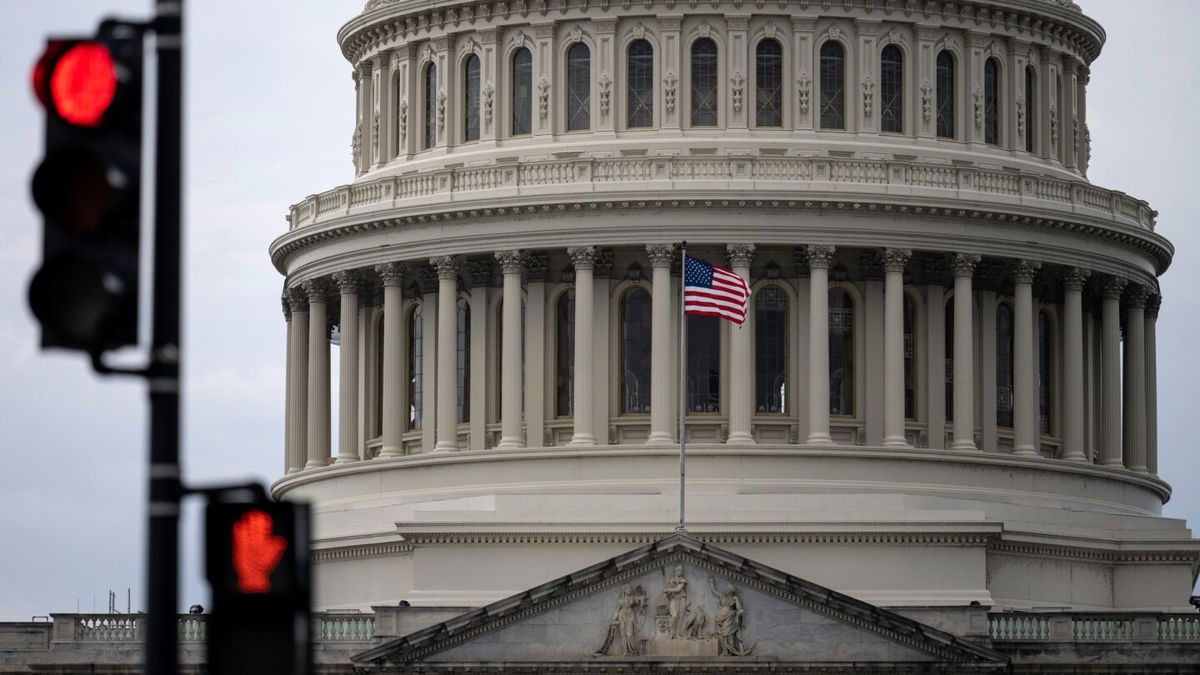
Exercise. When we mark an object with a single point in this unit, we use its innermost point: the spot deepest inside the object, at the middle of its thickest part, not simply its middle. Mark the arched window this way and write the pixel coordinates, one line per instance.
(1004, 365)
(768, 80)
(945, 94)
(639, 72)
(704, 364)
(841, 352)
(1045, 372)
(948, 342)
(910, 358)
(564, 355)
(770, 350)
(704, 83)
(833, 86)
(415, 368)
(471, 99)
(991, 102)
(463, 368)
(522, 92)
(891, 90)
(635, 352)
(399, 103)
(1030, 107)
(430, 106)
(579, 87)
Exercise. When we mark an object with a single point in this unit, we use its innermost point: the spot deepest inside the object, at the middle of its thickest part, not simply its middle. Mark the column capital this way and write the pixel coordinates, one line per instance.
(392, 274)
(511, 262)
(446, 266)
(1136, 296)
(297, 299)
(739, 255)
(819, 256)
(660, 254)
(317, 290)
(583, 257)
(1074, 278)
(1152, 305)
(348, 281)
(1112, 286)
(895, 259)
(963, 264)
(1024, 271)
(287, 306)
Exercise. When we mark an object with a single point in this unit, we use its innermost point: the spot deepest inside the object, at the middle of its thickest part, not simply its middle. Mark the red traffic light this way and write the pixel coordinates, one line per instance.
(78, 81)
(256, 551)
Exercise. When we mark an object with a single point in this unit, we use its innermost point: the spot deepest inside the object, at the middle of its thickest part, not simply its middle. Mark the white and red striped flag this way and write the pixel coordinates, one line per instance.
(713, 291)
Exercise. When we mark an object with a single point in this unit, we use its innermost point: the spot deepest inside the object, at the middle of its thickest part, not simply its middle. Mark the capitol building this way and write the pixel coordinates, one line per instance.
(932, 446)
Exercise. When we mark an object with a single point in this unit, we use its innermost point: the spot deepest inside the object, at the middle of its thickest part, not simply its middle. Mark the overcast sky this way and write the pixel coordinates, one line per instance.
(269, 115)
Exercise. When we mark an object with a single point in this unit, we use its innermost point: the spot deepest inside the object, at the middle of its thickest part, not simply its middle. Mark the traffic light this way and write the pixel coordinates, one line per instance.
(258, 566)
(88, 189)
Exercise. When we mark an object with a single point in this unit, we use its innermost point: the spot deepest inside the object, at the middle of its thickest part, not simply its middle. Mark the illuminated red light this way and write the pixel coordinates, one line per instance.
(83, 83)
(256, 551)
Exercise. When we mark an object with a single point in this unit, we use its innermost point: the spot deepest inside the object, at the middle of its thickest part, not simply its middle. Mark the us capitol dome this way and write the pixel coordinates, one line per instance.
(943, 395)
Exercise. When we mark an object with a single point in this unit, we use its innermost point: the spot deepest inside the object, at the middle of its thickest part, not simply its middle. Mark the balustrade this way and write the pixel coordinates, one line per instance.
(1094, 627)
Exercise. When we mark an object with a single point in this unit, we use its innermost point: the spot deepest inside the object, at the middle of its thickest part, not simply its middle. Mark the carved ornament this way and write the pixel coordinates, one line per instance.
(582, 257)
(739, 255)
(895, 259)
(446, 267)
(390, 273)
(511, 262)
(819, 257)
(660, 254)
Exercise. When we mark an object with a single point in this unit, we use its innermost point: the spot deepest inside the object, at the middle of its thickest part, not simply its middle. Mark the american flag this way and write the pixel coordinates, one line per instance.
(713, 291)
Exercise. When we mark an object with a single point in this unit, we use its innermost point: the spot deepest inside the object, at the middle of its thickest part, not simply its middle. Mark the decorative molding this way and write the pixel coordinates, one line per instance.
(605, 83)
(1024, 271)
(348, 282)
(582, 257)
(895, 259)
(977, 98)
(669, 82)
(1075, 278)
(804, 89)
(1112, 286)
(446, 266)
(963, 264)
(926, 100)
(738, 92)
(819, 256)
(441, 112)
(511, 262)
(660, 254)
(403, 123)
(317, 290)
(868, 95)
(1136, 296)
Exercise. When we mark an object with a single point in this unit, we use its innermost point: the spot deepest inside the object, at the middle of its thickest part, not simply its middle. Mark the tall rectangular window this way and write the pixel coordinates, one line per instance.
(833, 86)
(522, 92)
(945, 94)
(891, 90)
(768, 80)
(639, 72)
(430, 106)
(704, 83)
(991, 102)
(471, 99)
(579, 87)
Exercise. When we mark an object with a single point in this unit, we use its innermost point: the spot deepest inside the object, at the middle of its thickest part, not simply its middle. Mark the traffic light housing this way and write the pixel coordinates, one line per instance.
(258, 566)
(88, 188)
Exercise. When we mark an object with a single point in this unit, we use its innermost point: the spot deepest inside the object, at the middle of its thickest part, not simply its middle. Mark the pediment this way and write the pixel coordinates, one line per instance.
(680, 601)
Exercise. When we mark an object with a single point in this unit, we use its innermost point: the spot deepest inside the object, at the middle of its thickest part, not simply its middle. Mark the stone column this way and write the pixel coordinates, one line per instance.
(662, 408)
(741, 358)
(480, 271)
(1135, 377)
(1025, 396)
(318, 374)
(289, 369)
(1151, 314)
(348, 445)
(1074, 390)
(894, 260)
(298, 392)
(584, 260)
(935, 345)
(512, 263)
(447, 353)
(536, 264)
(428, 283)
(963, 267)
(820, 258)
(394, 416)
(1110, 444)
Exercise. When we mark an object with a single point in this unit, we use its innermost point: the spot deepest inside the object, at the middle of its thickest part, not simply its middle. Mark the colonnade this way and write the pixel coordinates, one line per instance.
(1123, 381)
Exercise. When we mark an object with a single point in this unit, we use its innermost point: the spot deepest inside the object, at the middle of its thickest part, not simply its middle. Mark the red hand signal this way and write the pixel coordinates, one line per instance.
(256, 551)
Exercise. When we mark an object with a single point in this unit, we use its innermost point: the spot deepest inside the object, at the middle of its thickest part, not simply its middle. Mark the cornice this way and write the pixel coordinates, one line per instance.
(1046, 22)
(1146, 242)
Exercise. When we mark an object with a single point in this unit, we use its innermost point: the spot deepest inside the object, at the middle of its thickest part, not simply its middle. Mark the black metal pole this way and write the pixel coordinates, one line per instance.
(162, 562)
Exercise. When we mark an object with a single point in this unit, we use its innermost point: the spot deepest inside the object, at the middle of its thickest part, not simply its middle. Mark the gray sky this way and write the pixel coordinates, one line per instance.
(269, 116)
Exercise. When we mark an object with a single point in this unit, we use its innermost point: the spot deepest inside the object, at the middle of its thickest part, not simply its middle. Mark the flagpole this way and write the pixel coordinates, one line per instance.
(681, 529)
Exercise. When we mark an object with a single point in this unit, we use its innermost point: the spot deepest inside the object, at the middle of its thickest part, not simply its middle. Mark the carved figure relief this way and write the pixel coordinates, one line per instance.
(543, 98)
(375, 135)
(926, 100)
(355, 143)
(739, 89)
(669, 82)
(441, 111)
(1021, 116)
(804, 87)
(626, 623)
(728, 622)
(868, 95)
(489, 98)
(1054, 127)
(403, 124)
(977, 97)
(605, 94)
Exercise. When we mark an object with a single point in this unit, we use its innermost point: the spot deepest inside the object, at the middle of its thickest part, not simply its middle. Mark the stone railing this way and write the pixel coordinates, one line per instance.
(439, 189)
(333, 627)
(1094, 627)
